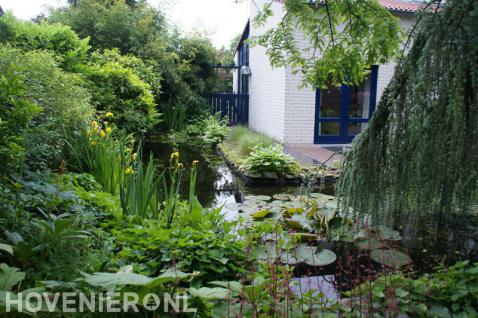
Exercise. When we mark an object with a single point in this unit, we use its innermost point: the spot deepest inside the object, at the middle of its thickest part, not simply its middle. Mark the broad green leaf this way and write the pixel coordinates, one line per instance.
(323, 258)
(370, 244)
(9, 277)
(6, 248)
(390, 257)
(388, 234)
(230, 285)
(209, 293)
(260, 214)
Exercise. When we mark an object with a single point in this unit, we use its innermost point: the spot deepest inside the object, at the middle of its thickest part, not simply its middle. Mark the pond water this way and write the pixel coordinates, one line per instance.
(429, 245)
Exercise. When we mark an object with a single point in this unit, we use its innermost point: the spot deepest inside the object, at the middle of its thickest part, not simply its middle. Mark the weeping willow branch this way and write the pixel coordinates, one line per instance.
(419, 156)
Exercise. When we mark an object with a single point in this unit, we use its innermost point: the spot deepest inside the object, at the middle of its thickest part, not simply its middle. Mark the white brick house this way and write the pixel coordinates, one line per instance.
(289, 114)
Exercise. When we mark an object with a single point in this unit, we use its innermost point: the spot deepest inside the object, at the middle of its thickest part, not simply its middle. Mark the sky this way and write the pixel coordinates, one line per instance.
(220, 20)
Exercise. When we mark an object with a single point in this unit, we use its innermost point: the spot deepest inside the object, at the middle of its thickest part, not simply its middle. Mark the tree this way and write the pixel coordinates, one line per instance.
(346, 38)
(419, 156)
(141, 30)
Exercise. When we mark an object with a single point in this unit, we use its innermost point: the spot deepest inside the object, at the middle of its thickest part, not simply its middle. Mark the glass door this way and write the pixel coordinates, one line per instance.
(343, 112)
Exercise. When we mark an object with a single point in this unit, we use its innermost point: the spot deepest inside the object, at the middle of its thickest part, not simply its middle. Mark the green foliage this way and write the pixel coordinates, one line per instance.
(100, 153)
(171, 187)
(68, 48)
(242, 140)
(269, 159)
(118, 89)
(182, 62)
(195, 243)
(145, 69)
(417, 159)
(16, 112)
(114, 24)
(451, 292)
(347, 37)
(174, 117)
(9, 277)
(117, 281)
(215, 129)
(139, 192)
(41, 105)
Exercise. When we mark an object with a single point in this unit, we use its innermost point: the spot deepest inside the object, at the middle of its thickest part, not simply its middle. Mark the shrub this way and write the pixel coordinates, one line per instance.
(215, 129)
(68, 48)
(118, 89)
(269, 159)
(43, 104)
(183, 62)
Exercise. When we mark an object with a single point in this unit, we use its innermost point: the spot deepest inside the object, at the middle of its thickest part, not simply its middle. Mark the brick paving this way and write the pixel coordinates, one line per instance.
(310, 154)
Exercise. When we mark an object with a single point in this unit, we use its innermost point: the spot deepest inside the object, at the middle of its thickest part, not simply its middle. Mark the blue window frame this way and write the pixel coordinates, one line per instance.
(343, 112)
(243, 60)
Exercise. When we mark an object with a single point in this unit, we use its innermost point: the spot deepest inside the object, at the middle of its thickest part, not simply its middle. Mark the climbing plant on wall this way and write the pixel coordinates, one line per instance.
(419, 156)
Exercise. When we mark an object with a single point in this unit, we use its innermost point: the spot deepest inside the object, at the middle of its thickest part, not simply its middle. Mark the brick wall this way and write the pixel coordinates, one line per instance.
(267, 85)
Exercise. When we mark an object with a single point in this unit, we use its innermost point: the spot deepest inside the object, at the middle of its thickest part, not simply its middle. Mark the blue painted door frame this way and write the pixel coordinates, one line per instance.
(344, 120)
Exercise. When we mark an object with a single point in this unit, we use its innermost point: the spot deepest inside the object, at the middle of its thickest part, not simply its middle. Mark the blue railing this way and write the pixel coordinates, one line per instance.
(234, 106)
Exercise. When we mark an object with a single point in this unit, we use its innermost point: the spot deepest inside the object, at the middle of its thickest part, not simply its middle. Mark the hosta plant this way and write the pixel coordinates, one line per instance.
(269, 159)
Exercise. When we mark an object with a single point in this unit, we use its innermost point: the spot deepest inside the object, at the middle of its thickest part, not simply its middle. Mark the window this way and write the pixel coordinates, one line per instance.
(343, 112)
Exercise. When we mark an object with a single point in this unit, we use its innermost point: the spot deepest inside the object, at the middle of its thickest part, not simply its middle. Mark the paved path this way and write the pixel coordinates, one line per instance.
(315, 154)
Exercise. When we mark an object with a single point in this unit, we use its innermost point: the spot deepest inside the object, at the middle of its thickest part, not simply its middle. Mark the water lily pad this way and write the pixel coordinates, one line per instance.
(387, 234)
(363, 234)
(282, 196)
(342, 232)
(293, 224)
(326, 214)
(370, 244)
(264, 252)
(236, 206)
(257, 197)
(309, 255)
(255, 202)
(300, 222)
(289, 259)
(260, 214)
(306, 237)
(390, 257)
(323, 258)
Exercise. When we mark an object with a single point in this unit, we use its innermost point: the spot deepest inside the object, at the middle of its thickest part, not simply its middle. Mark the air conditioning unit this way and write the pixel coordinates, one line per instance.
(245, 70)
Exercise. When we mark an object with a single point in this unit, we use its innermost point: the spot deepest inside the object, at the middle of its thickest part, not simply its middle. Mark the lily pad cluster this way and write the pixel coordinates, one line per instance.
(310, 255)
(315, 218)
(376, 240)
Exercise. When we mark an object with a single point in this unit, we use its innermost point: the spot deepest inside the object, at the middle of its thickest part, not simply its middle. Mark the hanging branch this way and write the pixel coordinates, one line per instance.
(419, 156)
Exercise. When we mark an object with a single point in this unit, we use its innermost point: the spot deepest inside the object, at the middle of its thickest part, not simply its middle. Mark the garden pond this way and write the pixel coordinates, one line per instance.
(427, 245)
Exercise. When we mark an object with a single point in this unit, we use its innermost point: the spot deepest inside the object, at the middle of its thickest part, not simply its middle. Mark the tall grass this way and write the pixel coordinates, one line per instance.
(241, 139)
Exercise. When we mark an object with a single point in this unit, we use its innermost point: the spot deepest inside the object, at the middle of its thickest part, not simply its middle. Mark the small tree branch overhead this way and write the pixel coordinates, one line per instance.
(346, 39)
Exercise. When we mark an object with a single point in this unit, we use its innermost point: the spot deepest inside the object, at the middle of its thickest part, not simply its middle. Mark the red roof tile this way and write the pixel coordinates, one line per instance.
(396, 5)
